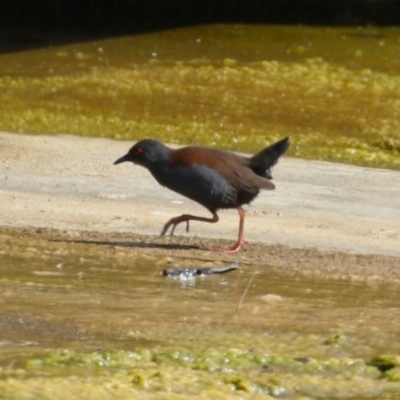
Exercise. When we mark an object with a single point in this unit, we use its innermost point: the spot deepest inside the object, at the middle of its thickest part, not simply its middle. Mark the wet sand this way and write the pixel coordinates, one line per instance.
(323, 218)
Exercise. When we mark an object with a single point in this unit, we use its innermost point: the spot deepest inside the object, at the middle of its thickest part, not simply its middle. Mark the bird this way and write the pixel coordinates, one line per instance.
(216, 179)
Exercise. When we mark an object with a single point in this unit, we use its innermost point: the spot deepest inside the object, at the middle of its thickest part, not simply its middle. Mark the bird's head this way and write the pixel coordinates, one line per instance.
(146, 153)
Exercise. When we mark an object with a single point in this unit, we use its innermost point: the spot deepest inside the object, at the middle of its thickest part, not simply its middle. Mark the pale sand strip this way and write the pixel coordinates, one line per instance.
(69, 183)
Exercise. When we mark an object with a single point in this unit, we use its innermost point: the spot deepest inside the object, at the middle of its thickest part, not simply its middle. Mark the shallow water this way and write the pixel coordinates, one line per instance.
(100, 318)
(335, 90)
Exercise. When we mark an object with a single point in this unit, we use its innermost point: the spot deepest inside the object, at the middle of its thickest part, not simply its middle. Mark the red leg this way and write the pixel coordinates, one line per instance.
(236, 247)
(186, 218)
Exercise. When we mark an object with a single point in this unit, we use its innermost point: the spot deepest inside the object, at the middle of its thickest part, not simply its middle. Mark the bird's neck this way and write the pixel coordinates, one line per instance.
(160, 170)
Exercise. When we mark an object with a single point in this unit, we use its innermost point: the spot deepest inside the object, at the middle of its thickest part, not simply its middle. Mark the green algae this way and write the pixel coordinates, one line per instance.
(230, 360)
(392, 375)
(385, 362)
(336, 91)
(181, 370)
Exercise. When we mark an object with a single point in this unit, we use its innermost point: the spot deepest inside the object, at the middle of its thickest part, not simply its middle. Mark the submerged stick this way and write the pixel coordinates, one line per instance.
(185, 272)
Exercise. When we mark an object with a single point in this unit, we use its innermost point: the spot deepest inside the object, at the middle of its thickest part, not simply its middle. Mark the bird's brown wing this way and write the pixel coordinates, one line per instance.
(233, 167)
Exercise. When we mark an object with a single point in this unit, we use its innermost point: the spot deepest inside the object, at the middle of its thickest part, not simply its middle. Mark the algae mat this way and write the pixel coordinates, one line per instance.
(336, 90)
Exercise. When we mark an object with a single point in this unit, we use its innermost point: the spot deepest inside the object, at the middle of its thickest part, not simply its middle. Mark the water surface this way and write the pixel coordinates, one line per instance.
(102, 319)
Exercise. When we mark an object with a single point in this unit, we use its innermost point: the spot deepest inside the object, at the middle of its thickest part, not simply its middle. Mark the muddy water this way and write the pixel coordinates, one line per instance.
(97, 317)
(335, 90)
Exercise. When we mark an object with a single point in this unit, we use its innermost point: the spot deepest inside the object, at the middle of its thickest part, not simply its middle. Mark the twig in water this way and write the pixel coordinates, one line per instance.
(245, 292)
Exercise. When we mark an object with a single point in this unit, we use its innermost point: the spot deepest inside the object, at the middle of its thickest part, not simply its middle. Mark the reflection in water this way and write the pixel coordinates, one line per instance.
(185, 280)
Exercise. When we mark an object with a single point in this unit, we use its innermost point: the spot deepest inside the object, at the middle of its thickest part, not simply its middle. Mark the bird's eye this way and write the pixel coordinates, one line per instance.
(138, 151)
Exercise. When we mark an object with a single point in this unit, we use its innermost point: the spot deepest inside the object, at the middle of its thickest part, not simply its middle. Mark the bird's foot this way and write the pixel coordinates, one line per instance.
(165, 230)
(230, 250)
(174, 222)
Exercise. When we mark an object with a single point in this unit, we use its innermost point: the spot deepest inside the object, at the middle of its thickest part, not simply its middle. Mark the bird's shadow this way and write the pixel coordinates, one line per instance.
(138, 244)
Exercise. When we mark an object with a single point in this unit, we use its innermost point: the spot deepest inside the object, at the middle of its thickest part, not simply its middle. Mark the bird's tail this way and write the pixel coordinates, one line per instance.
(263, 162)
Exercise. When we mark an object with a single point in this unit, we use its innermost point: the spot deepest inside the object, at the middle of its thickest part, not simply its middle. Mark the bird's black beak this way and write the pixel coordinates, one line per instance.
(122, 159)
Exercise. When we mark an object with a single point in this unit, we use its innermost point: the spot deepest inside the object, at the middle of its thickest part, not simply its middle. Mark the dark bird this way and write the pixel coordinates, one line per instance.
(216, 179)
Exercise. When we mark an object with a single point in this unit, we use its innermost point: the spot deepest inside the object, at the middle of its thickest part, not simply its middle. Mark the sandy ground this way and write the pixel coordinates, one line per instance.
(348, 216)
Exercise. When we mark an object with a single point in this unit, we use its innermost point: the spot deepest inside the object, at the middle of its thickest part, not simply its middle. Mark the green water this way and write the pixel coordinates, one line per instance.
(335, 90)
